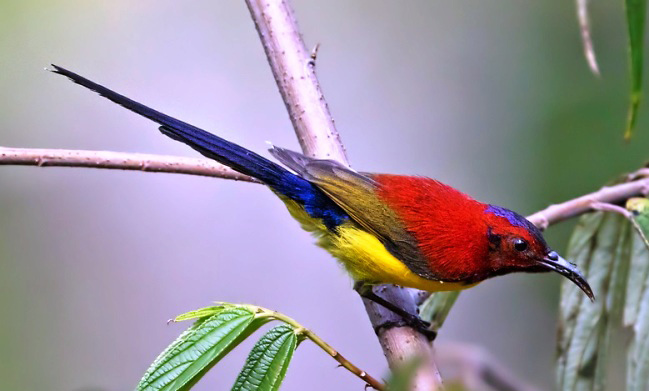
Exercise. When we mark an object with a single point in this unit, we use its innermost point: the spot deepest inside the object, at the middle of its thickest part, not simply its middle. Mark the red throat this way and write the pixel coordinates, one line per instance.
(448, 225)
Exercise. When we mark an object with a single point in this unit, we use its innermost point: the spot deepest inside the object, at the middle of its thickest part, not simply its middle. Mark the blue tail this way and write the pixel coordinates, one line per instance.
(316, 203)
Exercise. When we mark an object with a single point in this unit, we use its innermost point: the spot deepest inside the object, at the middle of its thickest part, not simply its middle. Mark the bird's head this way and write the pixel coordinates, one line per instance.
(517, 245)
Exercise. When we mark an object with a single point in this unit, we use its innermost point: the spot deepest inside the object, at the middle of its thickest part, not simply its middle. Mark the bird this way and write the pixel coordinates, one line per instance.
(410, 231)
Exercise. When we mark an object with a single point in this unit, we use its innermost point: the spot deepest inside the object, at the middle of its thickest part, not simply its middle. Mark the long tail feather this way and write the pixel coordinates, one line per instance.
(284, 182)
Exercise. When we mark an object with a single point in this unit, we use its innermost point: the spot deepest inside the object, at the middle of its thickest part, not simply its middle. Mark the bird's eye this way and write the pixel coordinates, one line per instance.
(520, 244)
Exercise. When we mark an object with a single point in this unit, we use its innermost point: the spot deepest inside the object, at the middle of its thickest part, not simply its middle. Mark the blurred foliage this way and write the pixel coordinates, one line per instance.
(584, 326)
(402, 377)
(436, 308)
(615, 259)
(636, 11)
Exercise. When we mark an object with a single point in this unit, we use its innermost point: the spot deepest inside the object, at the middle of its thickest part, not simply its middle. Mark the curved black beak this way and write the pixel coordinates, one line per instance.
(554, 262)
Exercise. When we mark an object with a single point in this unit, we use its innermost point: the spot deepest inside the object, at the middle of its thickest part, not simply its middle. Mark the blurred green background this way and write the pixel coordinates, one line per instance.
(493, 97)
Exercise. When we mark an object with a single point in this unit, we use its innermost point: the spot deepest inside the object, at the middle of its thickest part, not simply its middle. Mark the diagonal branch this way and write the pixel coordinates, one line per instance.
(294, 71)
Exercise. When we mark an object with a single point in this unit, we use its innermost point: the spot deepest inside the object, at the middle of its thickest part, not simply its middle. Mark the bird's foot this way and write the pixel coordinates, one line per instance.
(409, 319)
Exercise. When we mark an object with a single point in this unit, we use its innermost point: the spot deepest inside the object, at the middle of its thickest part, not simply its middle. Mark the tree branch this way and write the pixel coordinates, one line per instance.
(294, 71)
(118, 161)
(608, 194)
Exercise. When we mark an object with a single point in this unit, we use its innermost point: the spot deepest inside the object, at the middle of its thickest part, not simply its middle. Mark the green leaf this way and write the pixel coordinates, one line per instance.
(585, 326)
(200, 313)
(268, 361)
(436, 308)
(197, 349)
(636, 11)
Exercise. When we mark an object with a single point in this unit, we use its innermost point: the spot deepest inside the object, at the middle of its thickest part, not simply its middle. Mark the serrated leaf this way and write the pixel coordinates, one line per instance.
(436, 308)
(197, 349)
(584, 325)
(268, 361)
(636, 11)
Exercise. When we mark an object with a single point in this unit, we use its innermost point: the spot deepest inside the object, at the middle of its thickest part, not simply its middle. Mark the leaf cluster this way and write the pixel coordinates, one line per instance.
(615, 259)
(216, 331)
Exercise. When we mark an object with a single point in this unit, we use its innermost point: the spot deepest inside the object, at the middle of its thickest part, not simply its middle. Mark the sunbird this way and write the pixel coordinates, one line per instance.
(405, 230)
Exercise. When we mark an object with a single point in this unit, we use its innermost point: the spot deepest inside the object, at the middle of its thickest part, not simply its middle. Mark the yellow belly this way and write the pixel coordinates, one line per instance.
(364, 256)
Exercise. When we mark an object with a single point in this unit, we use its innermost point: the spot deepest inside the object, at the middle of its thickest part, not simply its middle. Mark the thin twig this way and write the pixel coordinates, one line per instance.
(606, 207)
(608, 194)
(641, 173)
(367, 378)
(119, 161)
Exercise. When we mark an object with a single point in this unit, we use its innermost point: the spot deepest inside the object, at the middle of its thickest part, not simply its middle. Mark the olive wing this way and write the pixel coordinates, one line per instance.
(356, 194)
